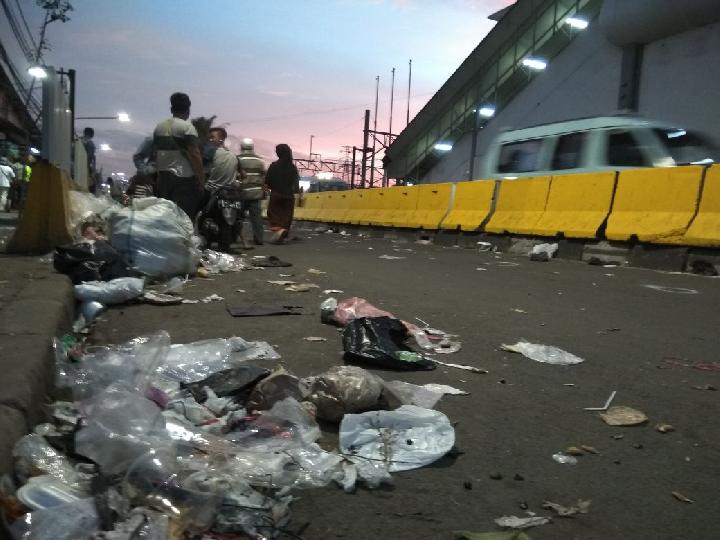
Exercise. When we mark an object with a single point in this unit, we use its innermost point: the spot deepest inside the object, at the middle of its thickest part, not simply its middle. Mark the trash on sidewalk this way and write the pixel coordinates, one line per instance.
(275, 387)
(607, 403)
(342, 390)
(380, 341)
(399, 393)
(282, 282)
(44, 491)
(514, 522)
(543, 353)
(314, 339)
(445, 389)
(91, 261)
(212, 298)
(77, 519)
(664, 428)
(161, 299)
(270, 261)
(460, 366)
(620, 415)
(506, 535)
(682, 498)
(565, 459)
(390, 257)
(407, 438)
(543, 252)
(115, 291)
(217, 262)
(676, 290)
(302, 287)
(315, 271)
(580, 507)
(332, 291)
(263, 310)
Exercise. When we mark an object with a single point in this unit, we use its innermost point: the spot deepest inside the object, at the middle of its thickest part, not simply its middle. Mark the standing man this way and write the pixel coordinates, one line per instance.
(7, 175)
(89, 144)
(180, 175)
(252, 179)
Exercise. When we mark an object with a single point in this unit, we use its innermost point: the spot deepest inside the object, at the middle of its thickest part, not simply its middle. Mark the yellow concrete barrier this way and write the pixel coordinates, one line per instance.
(311, 206)
(655, 205)
(338, 207)
(520, 205)
(45, 221)
(355, 208)
(381, 206)
(471, 205)
(705, 228)
(401, 206)
(433, 204)
(577, 205)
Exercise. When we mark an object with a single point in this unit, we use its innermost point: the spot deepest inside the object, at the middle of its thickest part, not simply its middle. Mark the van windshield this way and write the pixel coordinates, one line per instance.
(686, 147)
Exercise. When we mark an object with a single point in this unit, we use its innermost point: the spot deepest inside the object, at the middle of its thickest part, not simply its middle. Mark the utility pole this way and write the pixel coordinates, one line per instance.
(372, 157)
(310, 154)
(366, 130)
(352, 171)
(407, 119)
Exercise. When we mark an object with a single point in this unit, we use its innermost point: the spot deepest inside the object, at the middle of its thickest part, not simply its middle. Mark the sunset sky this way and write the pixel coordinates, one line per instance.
(274, 70)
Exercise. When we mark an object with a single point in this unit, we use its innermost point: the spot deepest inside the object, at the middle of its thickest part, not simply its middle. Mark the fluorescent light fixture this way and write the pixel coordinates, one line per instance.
(38, 72)
(706, 161)
(123, 117)
(510, 177)
(675, 134)
(534, 63)
(443, 147)
(105, 147)
(34, 150)
(487, 111)
(577, 23)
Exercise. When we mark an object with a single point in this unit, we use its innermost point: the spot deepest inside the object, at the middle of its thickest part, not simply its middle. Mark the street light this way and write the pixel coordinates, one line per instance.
(443, 147)
(38, 72)
(121, 117)
(577, 22)
(105, 147)
(487, 111)
(537, 64)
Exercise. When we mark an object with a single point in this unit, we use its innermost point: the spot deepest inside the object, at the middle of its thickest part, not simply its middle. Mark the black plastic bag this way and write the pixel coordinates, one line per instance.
(91, 261)
(380, 341)
(228, 382)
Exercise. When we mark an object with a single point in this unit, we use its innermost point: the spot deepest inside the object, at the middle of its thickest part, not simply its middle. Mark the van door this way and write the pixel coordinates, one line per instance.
(569, 153)
(518, 158)
(625, 148)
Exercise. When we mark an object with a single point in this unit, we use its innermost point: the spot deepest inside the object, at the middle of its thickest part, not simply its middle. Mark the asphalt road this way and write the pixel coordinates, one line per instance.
(520, 413)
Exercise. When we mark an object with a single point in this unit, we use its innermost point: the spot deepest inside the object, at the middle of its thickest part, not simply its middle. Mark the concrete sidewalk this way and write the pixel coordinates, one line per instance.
(36, 303)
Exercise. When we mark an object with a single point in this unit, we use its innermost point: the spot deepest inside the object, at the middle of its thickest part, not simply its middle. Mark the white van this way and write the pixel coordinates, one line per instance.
(594, 144)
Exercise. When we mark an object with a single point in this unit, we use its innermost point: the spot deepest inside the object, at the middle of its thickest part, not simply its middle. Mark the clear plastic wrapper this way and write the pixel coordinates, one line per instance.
(190, 362)
(155, 237)
(403, 393)
(406, 438)
(86, 207)
(217, 262)
(140, 524)
(71, 521)
(121, 426)
(344, 389)
(34, 456)
(286, 425)
(90, 310)
(115, 291)
(546, 354)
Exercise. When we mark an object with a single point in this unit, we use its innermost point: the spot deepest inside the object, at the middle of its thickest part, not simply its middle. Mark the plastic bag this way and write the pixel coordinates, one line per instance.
(327, 310)
(403, 393)
(379, 341)
(86, 206)
(121, 426)
(277, 386)
(195, 361)
(344, 389)
(227, 382)
(34, 456)
(140, 524)
(155, 237)
(406, 438)
(115, 291)
(70, 521)
(546, 354)
(217, 262)
(356, 308)
(543, 252)
(90, 261)
(286, 425)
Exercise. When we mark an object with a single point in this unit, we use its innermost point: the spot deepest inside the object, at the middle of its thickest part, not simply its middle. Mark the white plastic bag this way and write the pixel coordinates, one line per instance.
(412, 394)
(115, 291)
(155, 237)
(546, 354)
(406, 438)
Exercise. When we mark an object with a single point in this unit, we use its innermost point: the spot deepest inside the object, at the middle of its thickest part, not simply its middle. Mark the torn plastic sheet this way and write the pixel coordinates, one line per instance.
(34, 454)
(543, 252)
(407, 438)
(115, 291)
(514, 522)
(217, 262)
(71, 521)
(546, 354)
(404, 393)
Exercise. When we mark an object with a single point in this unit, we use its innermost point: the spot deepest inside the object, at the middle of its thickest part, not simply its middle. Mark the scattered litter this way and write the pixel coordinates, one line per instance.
(682, 498)
(445, 389)
(269, 262)
(407, 438)
(240, 290)
(314, 338)
(342, 390)
(217, 262)
(399, 393)
(507, 535)
(589, 449)
(620, 415)
(390, 257)
(607, 403)
(705, 387)
(580, 507)
(115, 291)
(702, 366)
(676, 290)
(565, 459)
(161, 299)
(187, 301)
(543, 252)
(482, 269)
(281, 282)
(664, 428)
(423, 242)
(517, 310)
(460, 366)
(301, 287)
(315, 271)
(543, 353)
(485, 246)
(332, 291)
(262, 310)
(514, 522)
(574, 451)
(212, 298)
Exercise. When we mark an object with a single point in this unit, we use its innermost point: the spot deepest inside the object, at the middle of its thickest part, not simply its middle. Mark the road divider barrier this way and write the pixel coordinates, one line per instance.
(519, 205)
(705, 228)
(434, 201)
(311, 206)
(471, 205)
(655, 205)
(577, 205)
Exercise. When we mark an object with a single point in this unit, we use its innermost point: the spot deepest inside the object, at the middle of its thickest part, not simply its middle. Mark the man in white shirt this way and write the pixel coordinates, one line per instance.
(7, 175)
(181, 177)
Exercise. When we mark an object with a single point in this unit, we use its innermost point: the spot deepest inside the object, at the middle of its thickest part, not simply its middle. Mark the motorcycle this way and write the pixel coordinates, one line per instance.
(218, 220)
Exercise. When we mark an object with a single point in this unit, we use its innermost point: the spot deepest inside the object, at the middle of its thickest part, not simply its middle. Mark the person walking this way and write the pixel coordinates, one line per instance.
(252, 178)
(180, 174)
(283, 181)
(7, 175)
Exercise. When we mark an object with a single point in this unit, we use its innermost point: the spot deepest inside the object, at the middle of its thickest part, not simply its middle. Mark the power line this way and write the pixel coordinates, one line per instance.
(17, 31)
(24, 21)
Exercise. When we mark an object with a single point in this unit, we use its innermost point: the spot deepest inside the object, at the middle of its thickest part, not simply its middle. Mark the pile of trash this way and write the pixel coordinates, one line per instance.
(118, 250)
(160, 440)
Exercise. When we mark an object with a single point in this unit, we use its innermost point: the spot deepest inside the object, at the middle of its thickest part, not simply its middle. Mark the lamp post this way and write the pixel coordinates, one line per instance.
(120, 117)
(311, 140)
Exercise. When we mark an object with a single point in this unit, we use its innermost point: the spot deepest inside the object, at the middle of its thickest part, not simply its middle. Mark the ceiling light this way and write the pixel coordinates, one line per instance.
(443, 147)
(577, 23)
(534, 63)
(487, 111)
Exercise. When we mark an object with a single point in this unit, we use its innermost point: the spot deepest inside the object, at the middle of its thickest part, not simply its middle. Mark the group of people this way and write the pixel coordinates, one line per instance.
(172, 164)
(14, 182)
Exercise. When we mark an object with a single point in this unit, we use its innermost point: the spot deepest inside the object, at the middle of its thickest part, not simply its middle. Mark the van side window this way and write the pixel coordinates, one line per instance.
(568, 151)
(623, 150)
(518, 157)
